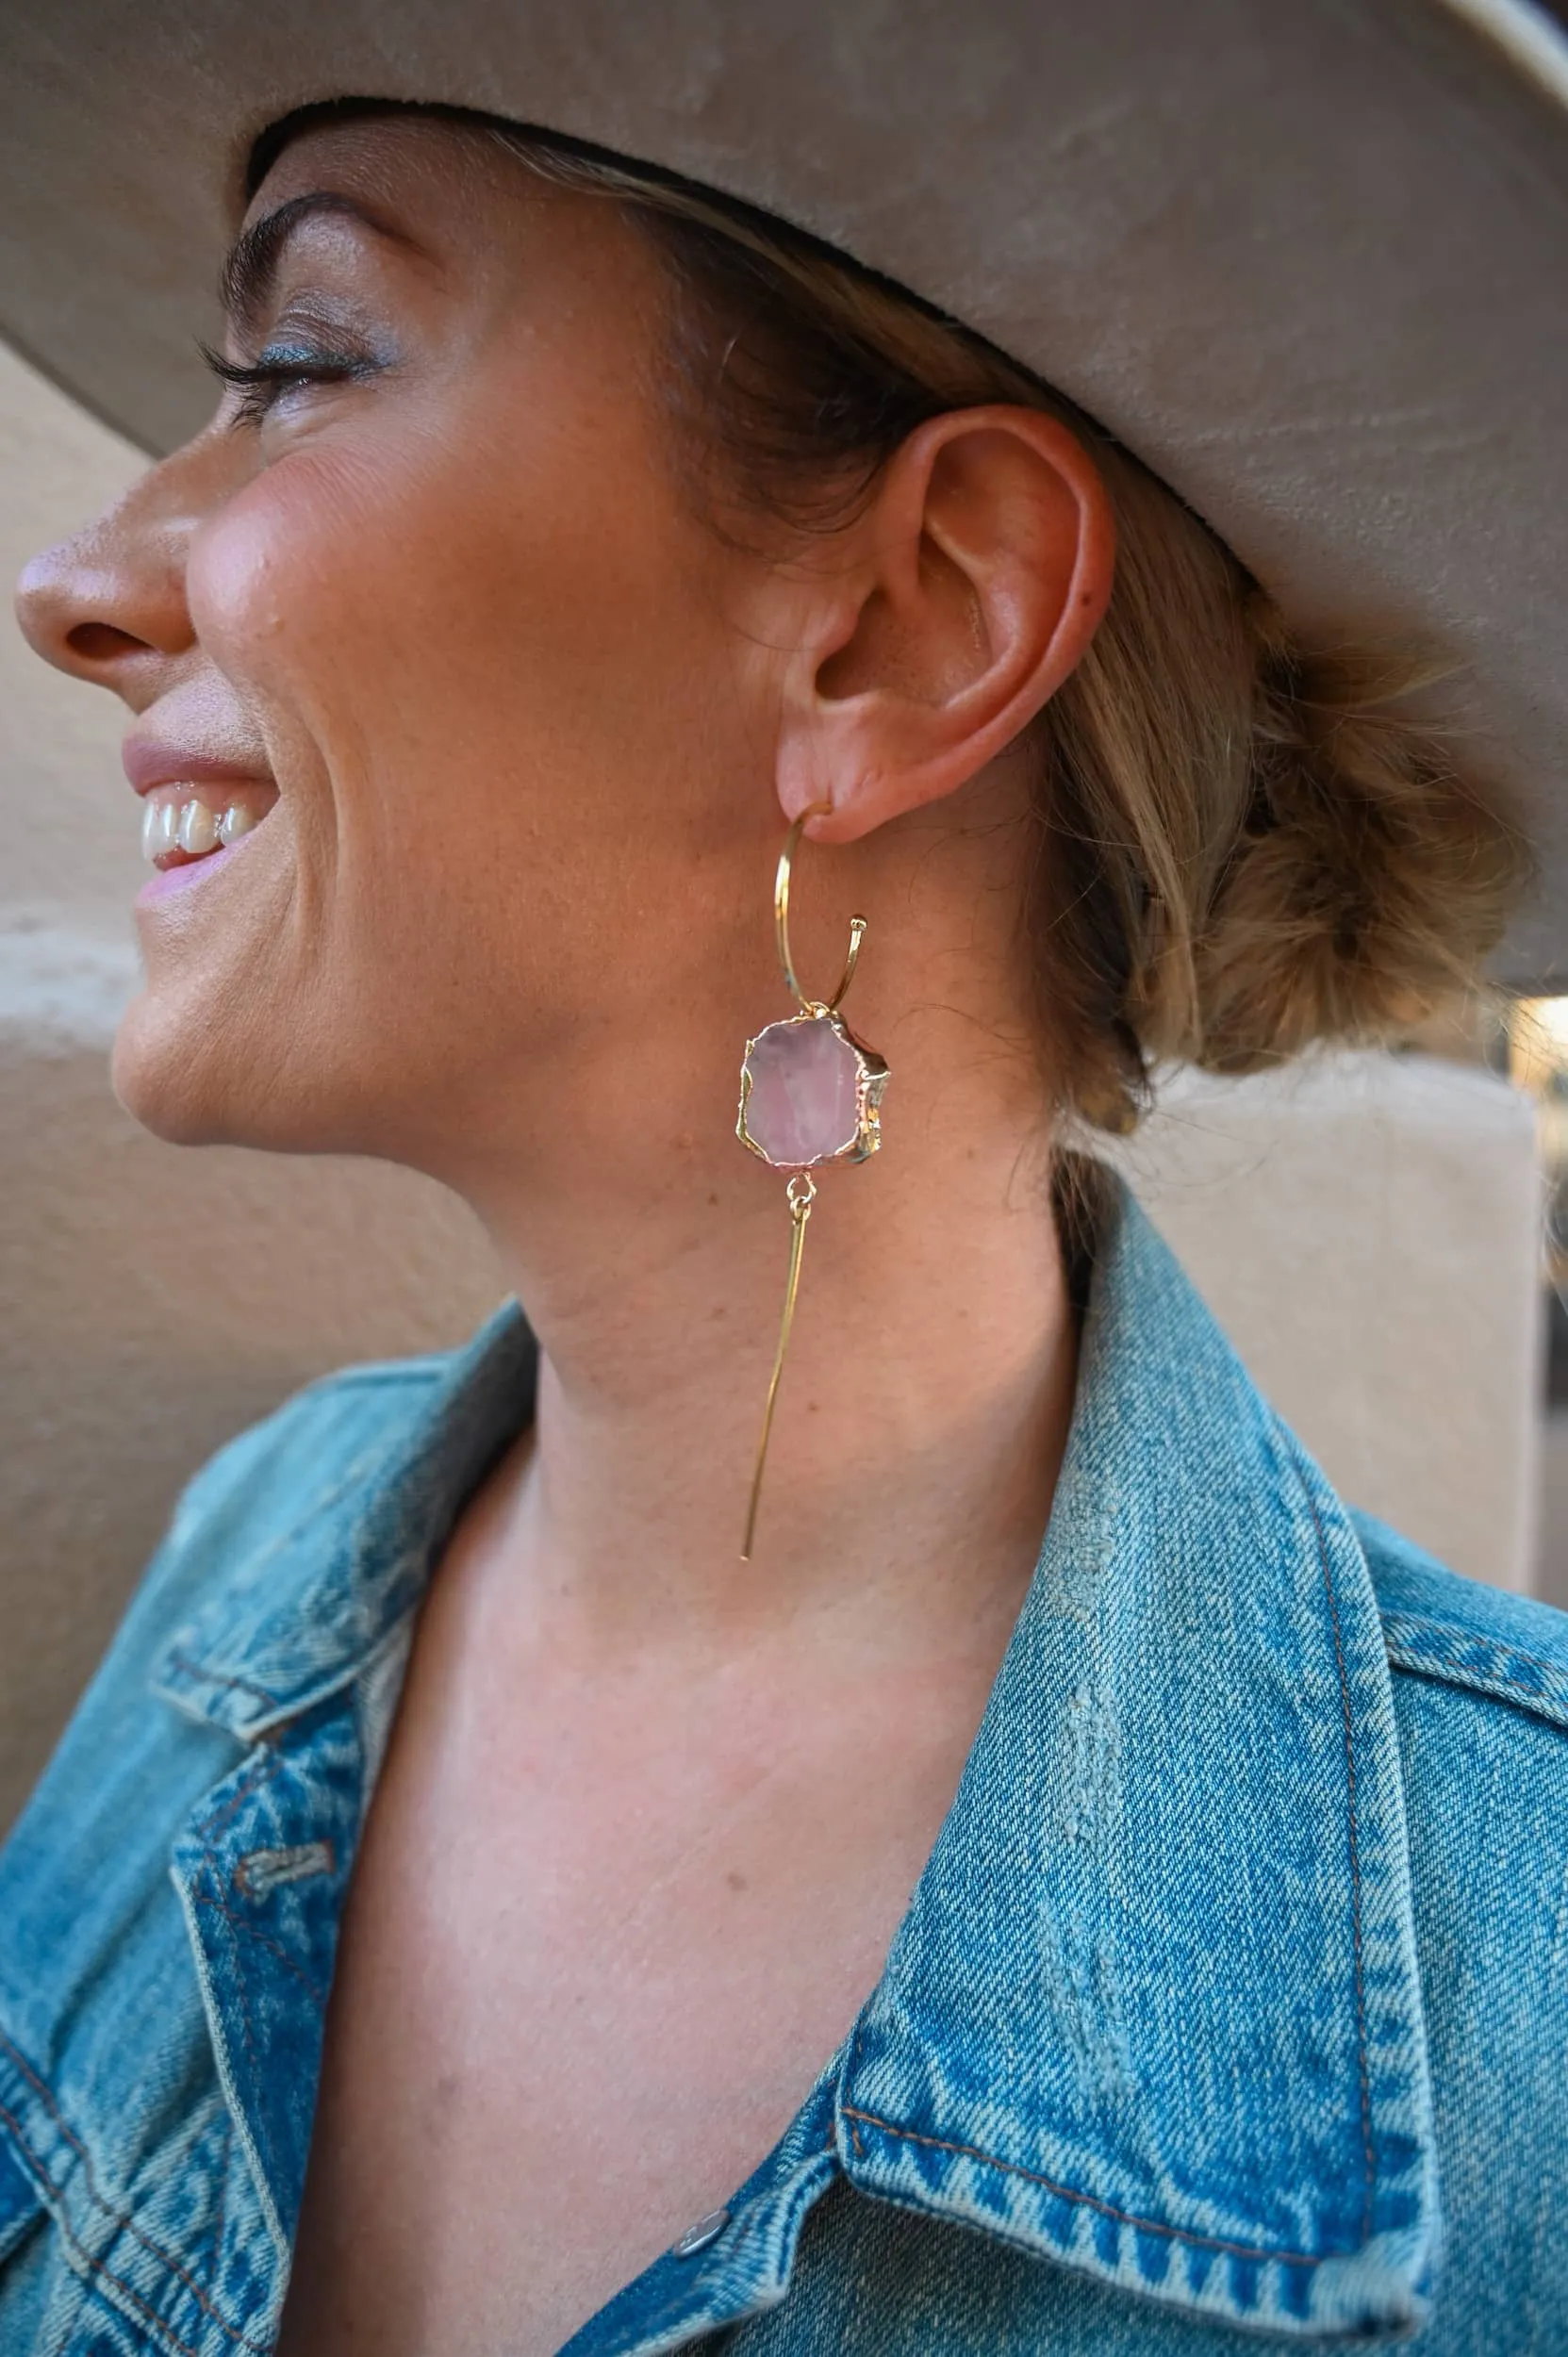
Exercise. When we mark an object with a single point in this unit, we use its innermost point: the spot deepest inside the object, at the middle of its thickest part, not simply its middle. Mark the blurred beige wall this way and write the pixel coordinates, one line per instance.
(1366, 1229)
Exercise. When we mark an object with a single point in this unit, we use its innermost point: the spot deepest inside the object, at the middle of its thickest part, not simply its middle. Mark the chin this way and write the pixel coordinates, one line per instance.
(163, 1073)
(194, 1080)
(193, 1076)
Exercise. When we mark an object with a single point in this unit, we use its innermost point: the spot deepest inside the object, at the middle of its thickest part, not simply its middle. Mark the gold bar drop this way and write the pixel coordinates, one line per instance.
(803, 1190)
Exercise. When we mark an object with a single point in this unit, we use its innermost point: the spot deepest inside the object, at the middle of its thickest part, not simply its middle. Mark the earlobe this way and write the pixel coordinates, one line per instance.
(980, 569)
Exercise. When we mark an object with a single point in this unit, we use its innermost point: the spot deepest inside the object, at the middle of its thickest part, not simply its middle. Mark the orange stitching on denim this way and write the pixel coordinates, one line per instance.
(1091, 2201)
(235, 1926)
(119, 2217)
(1363, 2073)
(265, 1769)
(97, 2266)
(251, 1931)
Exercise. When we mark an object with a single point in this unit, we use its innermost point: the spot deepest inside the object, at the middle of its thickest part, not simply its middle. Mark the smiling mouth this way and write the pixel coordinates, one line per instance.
(186, 822)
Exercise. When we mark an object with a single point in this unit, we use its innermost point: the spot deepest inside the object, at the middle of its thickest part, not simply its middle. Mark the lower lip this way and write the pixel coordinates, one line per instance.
(164, 882)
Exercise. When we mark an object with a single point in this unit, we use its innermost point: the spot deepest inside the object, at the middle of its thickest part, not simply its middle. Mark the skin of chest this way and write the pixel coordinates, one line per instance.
(611, 1918)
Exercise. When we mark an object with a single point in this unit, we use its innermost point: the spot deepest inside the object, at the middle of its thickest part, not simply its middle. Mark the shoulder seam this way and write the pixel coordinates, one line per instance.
(1485, 1665)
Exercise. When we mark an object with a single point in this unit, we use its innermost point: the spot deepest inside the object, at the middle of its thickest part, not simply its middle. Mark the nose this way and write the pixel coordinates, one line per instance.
(109, 603)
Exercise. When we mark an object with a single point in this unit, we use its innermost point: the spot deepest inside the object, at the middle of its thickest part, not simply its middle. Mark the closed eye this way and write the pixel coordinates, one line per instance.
(261, 383)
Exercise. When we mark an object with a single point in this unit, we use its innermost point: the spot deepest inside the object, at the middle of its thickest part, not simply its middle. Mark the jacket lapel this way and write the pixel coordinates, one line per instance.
(1154, 2012)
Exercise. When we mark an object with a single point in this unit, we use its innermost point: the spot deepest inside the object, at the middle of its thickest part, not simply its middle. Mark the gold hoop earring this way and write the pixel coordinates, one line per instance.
(810, 1094)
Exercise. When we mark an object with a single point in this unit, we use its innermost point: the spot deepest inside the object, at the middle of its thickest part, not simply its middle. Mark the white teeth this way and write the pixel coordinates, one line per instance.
(177, 821)
(160, 823)
(198, 828)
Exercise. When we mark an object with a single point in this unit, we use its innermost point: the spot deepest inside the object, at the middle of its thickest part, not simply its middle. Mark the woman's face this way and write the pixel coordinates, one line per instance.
(428, 602)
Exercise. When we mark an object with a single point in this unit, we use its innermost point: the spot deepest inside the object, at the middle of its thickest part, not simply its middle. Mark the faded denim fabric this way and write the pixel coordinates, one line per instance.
(1233, 2000)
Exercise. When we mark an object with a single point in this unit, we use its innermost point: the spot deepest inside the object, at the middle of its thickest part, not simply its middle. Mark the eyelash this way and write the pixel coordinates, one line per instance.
(259, 383)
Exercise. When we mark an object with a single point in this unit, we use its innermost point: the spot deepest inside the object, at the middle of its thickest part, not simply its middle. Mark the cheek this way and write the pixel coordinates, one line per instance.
(276, 578)
(326, 592)
(476, 640)
(418, 597)
(480, 667)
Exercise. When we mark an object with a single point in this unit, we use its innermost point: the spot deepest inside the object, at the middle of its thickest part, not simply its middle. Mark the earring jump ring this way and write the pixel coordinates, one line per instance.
(781, 924)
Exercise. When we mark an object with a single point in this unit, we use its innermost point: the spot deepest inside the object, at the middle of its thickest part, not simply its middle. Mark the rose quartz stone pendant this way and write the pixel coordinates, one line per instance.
(810, 1093)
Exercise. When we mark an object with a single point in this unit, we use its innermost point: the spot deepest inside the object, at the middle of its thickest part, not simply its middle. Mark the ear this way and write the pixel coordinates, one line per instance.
(943, 618)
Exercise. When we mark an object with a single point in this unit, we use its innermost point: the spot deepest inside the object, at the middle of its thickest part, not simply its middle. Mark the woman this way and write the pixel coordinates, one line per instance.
(495, 1930)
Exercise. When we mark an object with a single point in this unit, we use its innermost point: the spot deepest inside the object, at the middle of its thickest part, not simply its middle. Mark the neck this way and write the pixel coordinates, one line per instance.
(928, 1388)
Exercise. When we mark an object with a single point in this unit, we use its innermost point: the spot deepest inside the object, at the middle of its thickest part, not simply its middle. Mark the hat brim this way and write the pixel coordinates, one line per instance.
(1307, 259)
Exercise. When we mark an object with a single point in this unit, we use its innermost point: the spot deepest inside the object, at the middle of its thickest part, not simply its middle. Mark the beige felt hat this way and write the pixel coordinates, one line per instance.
(1308, 259)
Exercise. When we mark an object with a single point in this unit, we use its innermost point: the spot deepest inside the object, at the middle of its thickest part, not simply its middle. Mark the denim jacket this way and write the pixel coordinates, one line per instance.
(1233, 1999)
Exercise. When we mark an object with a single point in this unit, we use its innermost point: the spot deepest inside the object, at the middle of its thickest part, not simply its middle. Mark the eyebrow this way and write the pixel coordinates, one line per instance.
(246, 279)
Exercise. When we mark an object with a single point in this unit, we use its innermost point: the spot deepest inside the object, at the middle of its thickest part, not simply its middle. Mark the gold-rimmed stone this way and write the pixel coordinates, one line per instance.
(810, 1094)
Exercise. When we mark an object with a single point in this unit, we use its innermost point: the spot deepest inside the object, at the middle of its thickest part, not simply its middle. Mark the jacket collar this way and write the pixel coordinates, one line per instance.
(306, 1613)
(1154, 2012)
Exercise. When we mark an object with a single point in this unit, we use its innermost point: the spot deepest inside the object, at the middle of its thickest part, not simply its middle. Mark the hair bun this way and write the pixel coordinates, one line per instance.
(1368, 879)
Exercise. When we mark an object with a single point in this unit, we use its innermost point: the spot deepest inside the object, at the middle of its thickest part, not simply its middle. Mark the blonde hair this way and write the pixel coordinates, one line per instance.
(1244, 844)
